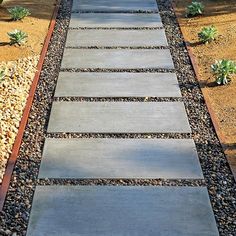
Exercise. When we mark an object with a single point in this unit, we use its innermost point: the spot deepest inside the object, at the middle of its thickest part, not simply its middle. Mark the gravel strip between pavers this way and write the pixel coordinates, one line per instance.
(123, 182)
(117, 99)
(117, 28)
(121, 136)
(120, 47)
(217, 174)
(115, 12)
(140, 70)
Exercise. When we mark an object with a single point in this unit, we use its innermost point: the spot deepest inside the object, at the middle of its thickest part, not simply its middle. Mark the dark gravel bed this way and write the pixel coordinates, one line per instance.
(123, 182)
(218, 177)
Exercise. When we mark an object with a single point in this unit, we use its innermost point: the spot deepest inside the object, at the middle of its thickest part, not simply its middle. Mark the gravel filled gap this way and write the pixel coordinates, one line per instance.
(141, 70)
(113, 47)
(218, 177)
(123, 182)
(117, 135)
(112, 28)
(117, 99)
(115, 12)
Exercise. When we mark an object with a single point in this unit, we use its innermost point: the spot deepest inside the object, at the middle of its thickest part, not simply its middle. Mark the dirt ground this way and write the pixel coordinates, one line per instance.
(35, 25)
(221, 14)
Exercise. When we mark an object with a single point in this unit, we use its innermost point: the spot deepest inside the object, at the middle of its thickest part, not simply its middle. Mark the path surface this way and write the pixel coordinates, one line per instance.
(119, 210)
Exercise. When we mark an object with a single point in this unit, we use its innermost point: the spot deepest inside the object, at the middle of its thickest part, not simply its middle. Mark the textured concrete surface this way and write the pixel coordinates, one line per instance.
(114, 5)
(115, 20)
(116, 38)
(120, 158)
(117, 85)
(117, 58)
(118, 117)
(121, 211)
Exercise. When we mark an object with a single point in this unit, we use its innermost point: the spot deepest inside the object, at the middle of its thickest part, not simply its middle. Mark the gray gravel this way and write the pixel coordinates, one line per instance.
(218, 177)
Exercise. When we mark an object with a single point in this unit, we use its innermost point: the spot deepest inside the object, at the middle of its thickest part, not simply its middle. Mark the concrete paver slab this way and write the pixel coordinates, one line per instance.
(116, 38)
(117, 58)
(114, 5)
(117, 85)
(120, 158)
(118, 117)
(121, 211)
(115, 20)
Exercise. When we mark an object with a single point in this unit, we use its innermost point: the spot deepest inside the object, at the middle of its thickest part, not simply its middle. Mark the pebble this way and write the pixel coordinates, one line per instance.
(14, 89)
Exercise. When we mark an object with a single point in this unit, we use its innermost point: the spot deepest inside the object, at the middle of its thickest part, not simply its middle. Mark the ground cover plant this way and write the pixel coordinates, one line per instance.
(194, 9)
(18, 13)
(17, 37)
(208, 34)
(222, 70)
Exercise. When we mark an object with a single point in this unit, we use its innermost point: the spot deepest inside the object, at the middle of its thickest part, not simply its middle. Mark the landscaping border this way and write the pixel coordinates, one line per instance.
(13, 157)
(220, 135)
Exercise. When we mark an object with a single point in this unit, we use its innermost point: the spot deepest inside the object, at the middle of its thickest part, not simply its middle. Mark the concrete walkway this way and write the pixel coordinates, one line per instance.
(117, 29)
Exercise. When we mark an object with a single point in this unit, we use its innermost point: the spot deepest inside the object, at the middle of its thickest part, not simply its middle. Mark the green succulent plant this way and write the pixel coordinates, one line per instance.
(208, 34)
(222, 70)
(18, 13)
(194, 9)
(17, 37)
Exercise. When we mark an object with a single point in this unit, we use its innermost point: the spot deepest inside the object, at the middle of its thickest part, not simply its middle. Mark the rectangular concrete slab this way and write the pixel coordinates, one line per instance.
(120, 158)
(114, 5)
(121, 211)
(118, 117)
(117, 38)
(117, 85)
(115, 20)
(117, 58)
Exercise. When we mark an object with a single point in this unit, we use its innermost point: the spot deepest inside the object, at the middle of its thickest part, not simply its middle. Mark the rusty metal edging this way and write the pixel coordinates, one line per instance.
(219, 134)
(16, 147)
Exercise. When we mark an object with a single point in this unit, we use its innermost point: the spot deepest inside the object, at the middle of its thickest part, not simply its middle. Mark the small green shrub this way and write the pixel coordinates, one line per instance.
(222, 70)
(17, 37)
(1, 2)
(18, 13)
(2, 74)
(194, 9)
(208, 34)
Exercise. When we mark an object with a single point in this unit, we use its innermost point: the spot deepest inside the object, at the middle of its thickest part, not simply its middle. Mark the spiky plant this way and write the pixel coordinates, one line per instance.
(194, 9)
(17, 37)
(208, 34)
(18, 13)
(222, 70)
